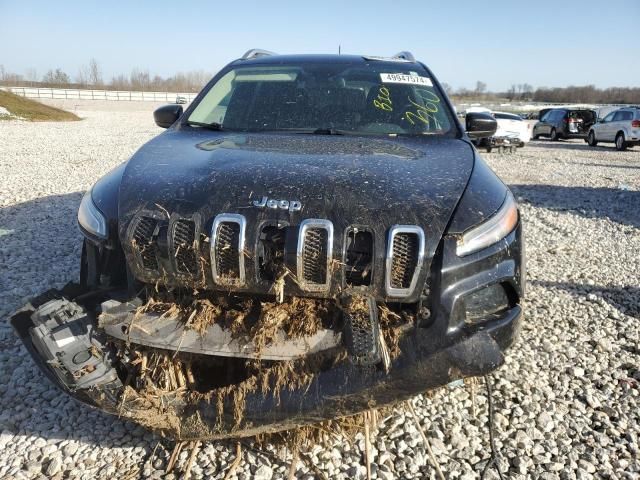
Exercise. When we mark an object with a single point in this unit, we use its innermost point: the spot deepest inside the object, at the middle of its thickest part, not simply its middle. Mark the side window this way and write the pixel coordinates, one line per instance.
(628, 116)
(618, 116)
(608, 118)
(559, 115)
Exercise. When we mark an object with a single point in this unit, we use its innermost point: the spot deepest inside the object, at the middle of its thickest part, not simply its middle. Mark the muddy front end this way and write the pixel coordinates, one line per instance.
(192, 364)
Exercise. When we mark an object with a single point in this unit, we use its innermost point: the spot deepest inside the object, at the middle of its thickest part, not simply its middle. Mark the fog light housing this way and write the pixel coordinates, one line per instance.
(485, 303)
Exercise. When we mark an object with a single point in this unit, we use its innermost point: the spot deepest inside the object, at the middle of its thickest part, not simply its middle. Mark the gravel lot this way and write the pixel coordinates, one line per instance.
(567, 401)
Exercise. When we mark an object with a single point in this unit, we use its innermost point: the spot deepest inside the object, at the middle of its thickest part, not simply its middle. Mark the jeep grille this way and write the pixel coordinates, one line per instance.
(405, 254)
(227, 249)
(184, 246)
(144, 243)
(314, 254)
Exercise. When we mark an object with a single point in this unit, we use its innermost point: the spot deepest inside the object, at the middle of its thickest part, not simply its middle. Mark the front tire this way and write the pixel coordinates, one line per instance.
(591, 139)
(621, 144)
(553, 136)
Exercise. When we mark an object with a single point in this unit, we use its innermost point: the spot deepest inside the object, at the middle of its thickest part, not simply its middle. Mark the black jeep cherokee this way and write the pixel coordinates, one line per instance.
(314, 236)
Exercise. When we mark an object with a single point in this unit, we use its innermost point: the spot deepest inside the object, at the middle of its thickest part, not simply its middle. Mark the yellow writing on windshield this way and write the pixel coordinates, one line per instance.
(383, 100)
(424, 112)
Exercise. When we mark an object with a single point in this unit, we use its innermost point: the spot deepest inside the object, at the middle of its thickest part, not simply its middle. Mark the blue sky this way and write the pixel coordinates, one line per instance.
(543, 43)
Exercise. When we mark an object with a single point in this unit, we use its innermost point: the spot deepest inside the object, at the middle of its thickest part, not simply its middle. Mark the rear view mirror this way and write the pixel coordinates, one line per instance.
(167, 115)
(480, 125)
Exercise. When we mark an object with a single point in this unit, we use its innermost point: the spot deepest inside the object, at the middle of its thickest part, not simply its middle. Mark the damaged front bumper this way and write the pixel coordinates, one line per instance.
(72, 342)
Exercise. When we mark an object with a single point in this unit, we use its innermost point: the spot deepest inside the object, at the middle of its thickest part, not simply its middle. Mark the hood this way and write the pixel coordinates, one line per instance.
(347, 179)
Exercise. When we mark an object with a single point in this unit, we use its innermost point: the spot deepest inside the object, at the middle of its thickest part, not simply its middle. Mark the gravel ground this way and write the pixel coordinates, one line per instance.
(567, 401)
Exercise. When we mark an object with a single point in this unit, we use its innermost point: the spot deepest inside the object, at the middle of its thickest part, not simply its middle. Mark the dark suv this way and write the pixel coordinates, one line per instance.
(315, 235)
(564, 123)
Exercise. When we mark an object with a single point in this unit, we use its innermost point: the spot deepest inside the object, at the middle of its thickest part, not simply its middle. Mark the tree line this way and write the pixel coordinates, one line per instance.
(527, 93)
(91, 76)
(588, 94)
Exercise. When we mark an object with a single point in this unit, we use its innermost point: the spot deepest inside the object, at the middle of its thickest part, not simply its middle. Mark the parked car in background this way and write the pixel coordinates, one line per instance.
(180, 100)
(621, 126)
(564, 123)
(512, 126)
(512, 131)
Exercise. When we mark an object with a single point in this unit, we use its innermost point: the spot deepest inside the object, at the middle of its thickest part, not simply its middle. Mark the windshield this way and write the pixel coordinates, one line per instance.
(507, 116)
(376, 98)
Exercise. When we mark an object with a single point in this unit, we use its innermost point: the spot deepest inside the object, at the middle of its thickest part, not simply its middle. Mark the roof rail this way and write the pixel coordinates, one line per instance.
(405, 56)
(255, 53)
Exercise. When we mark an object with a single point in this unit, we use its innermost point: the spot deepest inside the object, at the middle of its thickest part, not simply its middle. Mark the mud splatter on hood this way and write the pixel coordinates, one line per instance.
(347, 179)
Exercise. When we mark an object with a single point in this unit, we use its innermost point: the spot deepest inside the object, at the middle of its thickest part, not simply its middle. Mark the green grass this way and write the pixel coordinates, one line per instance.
(32, 110)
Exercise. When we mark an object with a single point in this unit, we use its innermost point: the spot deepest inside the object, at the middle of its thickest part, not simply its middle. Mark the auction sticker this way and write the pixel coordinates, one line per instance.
(402, 78)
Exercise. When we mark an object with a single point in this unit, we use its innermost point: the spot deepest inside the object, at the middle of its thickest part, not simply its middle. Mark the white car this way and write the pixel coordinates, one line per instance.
(512, 131)
(621, 127)
(512, 126)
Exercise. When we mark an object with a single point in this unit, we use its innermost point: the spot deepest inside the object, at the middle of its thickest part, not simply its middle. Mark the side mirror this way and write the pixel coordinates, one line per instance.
(480, 125)
(167, 115)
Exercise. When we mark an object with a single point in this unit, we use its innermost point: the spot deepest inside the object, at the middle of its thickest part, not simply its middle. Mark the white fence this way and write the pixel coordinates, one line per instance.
(79, 94)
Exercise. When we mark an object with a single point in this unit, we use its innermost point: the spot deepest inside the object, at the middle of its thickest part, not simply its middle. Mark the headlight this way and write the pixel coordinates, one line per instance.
(491, 231)
(90, 218)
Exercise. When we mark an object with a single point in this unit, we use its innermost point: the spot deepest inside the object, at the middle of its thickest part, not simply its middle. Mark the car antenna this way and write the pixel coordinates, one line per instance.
(339, 49)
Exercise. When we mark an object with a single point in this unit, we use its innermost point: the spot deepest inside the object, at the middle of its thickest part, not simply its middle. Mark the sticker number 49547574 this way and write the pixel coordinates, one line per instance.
(402, 78)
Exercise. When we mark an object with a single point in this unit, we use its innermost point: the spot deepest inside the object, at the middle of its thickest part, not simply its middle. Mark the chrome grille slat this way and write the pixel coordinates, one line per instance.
(314, 254)
(143, 242)
(184, 247)
(405, 255)
(404, 260)
(227, 249)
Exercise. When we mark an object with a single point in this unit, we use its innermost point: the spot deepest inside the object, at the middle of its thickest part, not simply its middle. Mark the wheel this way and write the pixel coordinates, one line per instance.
(489, 149)
(536, 137)
(591, 139)
(553, 136)
(620, 143)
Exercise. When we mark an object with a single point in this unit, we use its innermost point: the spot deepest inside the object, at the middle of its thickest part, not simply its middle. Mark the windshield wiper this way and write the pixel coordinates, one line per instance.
(211, 126)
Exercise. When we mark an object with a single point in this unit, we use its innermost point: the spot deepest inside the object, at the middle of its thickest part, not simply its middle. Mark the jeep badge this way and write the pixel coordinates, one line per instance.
(292, 206)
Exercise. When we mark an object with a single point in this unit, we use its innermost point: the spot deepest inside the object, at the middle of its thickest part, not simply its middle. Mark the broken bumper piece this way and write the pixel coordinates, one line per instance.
(300, 382)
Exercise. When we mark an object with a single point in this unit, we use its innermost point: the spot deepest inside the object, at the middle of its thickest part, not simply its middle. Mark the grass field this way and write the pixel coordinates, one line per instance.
(31, 110)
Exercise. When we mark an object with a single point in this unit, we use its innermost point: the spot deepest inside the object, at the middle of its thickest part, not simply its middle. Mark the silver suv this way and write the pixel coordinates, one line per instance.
(621, 126)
